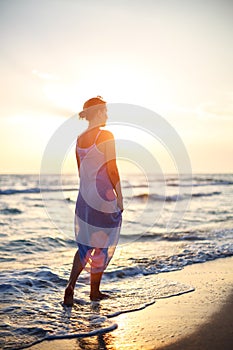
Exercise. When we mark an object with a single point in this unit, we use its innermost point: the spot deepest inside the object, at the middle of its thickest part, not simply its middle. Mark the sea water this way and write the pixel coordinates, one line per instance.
(168, 223)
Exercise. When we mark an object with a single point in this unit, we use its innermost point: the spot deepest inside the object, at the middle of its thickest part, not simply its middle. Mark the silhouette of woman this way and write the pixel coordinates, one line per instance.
(99, 206)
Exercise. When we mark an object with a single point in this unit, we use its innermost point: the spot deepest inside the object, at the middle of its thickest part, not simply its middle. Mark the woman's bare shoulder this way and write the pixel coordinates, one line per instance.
(106, 135)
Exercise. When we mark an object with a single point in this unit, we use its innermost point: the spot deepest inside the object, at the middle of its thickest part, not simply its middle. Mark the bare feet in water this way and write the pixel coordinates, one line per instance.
(98, 296)
(69, 296)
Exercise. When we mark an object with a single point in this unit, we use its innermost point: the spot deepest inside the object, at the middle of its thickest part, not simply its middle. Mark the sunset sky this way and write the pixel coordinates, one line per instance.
(173, 57)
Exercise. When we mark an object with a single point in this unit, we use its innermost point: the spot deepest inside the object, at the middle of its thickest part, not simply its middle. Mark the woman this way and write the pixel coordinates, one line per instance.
(99, 206)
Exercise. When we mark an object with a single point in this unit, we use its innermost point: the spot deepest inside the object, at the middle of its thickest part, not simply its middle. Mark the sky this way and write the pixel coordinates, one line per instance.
(173, 57)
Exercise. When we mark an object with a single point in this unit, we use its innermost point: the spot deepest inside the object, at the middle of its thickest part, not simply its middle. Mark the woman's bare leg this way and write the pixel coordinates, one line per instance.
(75, 272)
(95, 287)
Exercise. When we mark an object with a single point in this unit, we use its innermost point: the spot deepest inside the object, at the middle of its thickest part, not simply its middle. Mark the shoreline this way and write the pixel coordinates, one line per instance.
(198, 320)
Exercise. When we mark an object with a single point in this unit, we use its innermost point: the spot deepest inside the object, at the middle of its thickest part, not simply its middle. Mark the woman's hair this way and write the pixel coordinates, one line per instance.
(90, 107)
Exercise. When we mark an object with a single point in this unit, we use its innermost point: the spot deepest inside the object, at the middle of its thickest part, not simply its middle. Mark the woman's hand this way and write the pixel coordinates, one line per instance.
(120, 204)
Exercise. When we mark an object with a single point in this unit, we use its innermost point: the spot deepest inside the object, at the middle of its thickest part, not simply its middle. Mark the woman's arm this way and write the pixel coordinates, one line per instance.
(78, 159)
(110, 155)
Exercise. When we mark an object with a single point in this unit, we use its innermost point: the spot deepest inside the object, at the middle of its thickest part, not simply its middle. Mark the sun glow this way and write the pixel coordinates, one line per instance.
(109, 81)
(23, 131)
(152, 145)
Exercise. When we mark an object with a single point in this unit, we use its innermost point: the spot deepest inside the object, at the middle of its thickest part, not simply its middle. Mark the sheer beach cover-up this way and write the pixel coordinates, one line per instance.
(97, 217)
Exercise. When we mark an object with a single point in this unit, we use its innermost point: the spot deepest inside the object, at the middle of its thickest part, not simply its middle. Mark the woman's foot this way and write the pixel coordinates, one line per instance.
(69, 296)
(98, 296)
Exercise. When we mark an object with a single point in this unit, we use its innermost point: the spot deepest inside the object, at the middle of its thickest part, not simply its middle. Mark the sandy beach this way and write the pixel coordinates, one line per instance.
(199, 320)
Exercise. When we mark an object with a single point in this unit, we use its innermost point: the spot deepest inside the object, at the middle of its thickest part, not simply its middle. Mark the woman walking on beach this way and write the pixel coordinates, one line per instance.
(99, 206)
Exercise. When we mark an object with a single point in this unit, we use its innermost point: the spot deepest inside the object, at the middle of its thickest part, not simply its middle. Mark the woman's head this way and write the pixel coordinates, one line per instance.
(92, 107)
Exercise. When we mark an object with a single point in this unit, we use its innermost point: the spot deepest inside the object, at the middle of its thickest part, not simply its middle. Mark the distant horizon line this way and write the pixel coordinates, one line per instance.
(151, 173)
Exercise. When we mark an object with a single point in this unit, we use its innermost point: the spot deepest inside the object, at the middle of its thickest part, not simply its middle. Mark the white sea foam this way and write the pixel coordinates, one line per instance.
(41, 315)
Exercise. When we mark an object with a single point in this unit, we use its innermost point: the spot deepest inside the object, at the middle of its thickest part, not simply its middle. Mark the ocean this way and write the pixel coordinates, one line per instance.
(169, 222)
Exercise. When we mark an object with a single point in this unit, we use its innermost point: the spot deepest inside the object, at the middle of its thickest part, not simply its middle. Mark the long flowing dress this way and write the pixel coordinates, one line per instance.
(97, 216)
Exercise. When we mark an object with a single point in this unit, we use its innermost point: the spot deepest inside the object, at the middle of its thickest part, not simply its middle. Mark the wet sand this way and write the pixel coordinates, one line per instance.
(199, 320)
